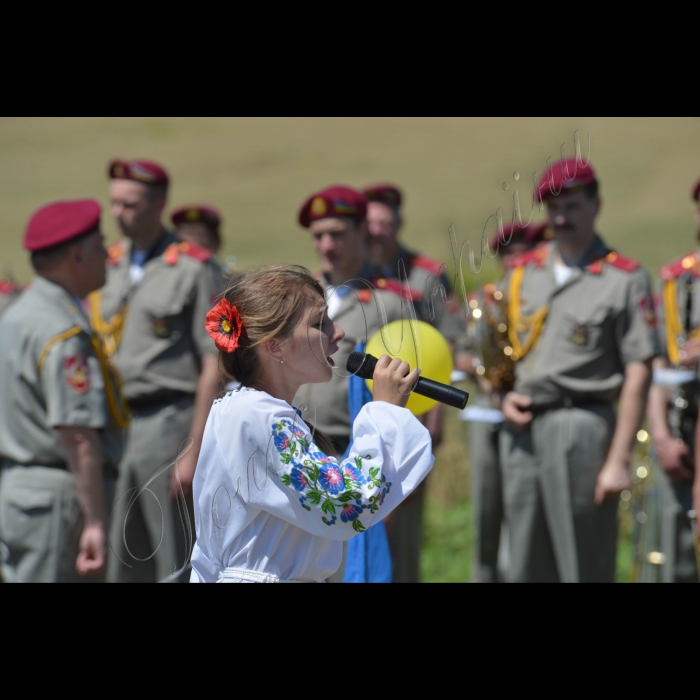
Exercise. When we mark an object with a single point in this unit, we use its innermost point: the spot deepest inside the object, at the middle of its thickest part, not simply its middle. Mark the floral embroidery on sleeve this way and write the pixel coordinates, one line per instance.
(340, 489)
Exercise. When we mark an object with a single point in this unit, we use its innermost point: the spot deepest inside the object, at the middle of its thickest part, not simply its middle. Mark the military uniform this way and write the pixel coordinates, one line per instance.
(360, 316)
(55, 374)
(360, 309)
(427, 277)
(679, 320)
(155, 330)
(572, 342)
(438, 305)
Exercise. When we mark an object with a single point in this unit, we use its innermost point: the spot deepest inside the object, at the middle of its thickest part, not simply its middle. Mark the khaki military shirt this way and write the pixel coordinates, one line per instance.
(427, 277)
(156, 327)
(51, 377)
(358, 315)
(597, 322)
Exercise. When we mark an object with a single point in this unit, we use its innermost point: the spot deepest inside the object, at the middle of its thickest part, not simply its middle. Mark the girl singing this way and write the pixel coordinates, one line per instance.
(272, 502)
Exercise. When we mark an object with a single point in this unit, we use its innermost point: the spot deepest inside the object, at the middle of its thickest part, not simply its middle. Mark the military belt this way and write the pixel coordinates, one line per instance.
(9, 464)
(567, 402)
(152, 404)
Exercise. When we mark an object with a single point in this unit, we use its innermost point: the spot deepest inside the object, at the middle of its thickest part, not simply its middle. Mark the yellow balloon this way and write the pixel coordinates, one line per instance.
(419, 344)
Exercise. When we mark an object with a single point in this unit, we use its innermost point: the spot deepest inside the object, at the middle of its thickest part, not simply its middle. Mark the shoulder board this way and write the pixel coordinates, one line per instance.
(172, 253)
(537, 256)
(397, 287)
(7, 287)
(116, 253)
(432, 266)
(676, 268)
(196, 252)
(621, 262)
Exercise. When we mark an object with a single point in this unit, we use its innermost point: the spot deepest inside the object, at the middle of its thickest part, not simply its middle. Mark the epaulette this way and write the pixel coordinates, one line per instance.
(7, 287)
(174, 250)
(432, 266)
(676, 268)
(116, 253)
(538, 256)
(397, 287)
(621, 262)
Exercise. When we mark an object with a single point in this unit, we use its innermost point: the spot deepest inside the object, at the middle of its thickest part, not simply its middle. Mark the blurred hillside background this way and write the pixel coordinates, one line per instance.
(452, 170)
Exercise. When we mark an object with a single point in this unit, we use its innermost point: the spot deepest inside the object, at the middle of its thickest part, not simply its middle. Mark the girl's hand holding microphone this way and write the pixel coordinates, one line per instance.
(394, 381)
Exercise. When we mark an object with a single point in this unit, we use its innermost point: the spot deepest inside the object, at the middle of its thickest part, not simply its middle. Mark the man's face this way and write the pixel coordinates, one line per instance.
(384, 225)
(339, 242)
(508, 253)
(89, 260)
(572, 216)
(135, 211)
(199, 234)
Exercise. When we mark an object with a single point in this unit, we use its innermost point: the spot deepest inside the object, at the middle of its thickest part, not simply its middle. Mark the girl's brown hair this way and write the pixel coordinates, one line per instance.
(269, 301)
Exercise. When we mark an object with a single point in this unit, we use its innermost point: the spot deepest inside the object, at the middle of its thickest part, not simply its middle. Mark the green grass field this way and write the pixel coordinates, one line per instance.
(453, 170)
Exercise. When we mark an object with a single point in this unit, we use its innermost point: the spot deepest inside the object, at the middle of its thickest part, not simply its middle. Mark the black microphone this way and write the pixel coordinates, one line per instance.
(363, 366)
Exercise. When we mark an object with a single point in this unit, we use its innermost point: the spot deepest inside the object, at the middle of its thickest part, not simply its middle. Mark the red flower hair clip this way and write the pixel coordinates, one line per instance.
(224, 326)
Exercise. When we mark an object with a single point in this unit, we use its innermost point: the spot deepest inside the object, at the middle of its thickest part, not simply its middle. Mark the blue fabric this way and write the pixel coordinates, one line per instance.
(368, 557)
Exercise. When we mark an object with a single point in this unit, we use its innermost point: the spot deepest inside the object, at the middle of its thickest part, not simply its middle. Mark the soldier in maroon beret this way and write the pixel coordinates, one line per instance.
(581, 325)
(516, 240)
(199, 224)
(426, 276)
(61, 412)
(673, 408)
(336, 218)
(151, 316)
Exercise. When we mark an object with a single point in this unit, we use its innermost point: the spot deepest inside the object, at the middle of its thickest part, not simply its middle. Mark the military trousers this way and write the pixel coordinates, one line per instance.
(41, 523)
(151, 534)
(677, 537)
(557, 532)
(405, 533)
(487, 502)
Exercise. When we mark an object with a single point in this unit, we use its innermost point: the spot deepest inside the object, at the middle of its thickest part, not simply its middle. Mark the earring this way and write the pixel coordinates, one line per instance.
(281, 362)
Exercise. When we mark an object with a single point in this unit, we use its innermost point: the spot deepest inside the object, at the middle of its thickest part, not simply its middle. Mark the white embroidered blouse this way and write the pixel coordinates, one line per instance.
(270, 503)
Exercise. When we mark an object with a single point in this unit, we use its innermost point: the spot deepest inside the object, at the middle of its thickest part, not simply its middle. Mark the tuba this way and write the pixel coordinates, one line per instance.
(489, 325)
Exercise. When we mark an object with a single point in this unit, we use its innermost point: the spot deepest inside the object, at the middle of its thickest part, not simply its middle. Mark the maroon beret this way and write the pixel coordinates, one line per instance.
(144, 171)
(384, 193)
(334, 201)
(511, 234)
(61, 222)
(197, 214)
(695, 192)
(565, 176)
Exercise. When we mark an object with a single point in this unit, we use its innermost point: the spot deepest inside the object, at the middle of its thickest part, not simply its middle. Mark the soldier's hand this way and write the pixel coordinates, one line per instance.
(515, 411)
(674, 458)
(183, 474)
(613, 480)
(690, 352)
(393, 381)
(92, 554)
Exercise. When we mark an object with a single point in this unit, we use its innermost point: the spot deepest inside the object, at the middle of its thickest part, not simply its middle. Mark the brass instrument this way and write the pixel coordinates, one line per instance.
(489, 319)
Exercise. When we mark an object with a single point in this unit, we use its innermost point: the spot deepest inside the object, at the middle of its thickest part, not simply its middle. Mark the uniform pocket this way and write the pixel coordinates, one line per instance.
(31, 501)
(588, 333)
